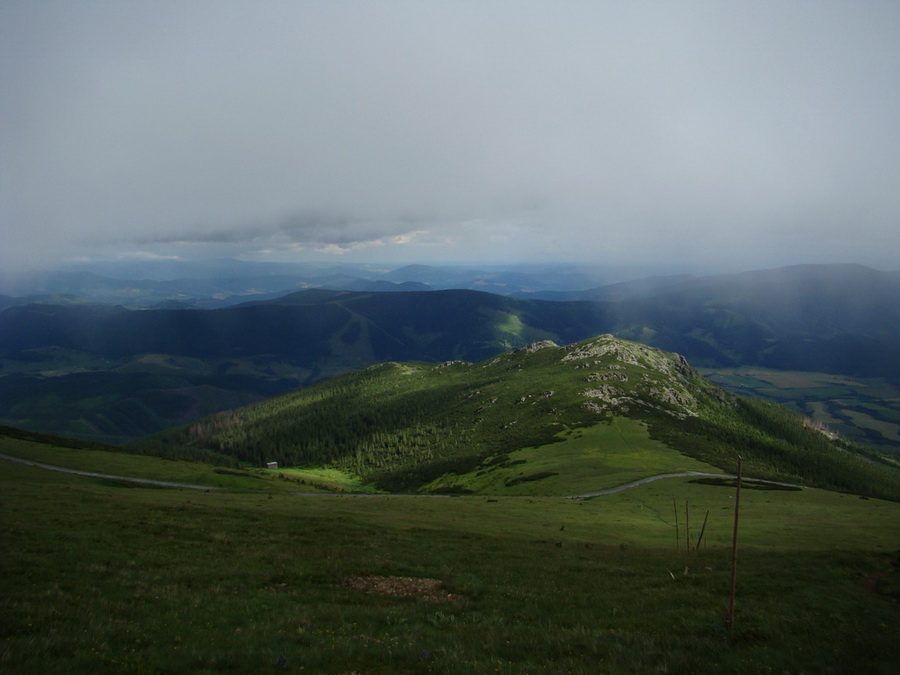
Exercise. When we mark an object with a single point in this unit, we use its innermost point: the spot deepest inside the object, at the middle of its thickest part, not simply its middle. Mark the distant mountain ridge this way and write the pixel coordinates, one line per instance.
(221, 283)
(837, 319)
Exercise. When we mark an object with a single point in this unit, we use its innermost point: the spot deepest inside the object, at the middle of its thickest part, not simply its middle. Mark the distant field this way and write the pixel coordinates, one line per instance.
(863, 410)
(105, 577)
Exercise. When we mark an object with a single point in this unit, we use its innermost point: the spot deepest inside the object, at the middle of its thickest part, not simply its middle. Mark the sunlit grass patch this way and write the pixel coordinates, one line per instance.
(323, 478)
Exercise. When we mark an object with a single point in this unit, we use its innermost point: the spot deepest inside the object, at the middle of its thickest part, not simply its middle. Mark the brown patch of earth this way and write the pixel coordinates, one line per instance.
(403, 587)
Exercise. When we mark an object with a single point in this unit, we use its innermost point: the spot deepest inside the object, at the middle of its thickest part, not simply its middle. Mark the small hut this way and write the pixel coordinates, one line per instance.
(271, 465)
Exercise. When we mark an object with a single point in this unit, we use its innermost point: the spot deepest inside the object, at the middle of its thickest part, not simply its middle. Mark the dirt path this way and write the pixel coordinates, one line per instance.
(684, 474)
(644, 481)
(92, 474)
(189, 486)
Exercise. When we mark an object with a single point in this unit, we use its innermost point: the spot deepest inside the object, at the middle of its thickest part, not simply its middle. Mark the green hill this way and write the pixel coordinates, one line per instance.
(542, 419)
(110, 374)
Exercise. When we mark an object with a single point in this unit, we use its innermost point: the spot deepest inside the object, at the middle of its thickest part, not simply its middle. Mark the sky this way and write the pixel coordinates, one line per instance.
(738, 134)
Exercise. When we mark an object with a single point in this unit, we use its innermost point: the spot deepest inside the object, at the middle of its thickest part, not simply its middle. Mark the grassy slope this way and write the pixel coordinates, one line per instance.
(116, 463)
(586, 460)
(104, 578)
(459, 426)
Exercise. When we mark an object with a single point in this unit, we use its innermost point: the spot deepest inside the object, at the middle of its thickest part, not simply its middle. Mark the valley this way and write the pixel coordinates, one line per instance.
(863, 410)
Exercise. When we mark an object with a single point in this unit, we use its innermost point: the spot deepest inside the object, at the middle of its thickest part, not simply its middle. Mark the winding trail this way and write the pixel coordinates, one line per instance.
(644, 481)
(190, 486)
(93, 474)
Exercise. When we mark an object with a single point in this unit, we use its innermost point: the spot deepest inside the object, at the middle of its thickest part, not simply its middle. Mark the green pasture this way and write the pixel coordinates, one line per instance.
(585, 459)
(864, 416)
(152, 468)
(100, 576)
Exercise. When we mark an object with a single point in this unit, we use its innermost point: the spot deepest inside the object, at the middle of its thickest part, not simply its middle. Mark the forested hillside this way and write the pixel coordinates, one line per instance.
(403, 426)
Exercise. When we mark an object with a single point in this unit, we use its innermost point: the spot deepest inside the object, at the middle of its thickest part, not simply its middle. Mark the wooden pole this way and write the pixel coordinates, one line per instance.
(702, 530)
(677, 532)
(737, 505)
(687, 526)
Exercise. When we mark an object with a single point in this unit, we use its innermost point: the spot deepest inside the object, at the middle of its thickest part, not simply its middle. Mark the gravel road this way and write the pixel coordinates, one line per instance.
(189, 486)
(92, 474)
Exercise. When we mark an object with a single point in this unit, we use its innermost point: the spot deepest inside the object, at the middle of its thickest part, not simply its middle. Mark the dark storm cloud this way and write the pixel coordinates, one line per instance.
(310, 229)
(299, 228)
(743, 132)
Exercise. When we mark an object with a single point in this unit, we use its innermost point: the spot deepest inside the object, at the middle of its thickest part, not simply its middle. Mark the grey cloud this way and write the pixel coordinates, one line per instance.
(768, 133)
(306, 228)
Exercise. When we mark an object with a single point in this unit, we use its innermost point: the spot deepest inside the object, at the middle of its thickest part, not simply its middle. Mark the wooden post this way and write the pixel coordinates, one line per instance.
(687, 526)
(737, 505)
(677, 533)
(702, 530)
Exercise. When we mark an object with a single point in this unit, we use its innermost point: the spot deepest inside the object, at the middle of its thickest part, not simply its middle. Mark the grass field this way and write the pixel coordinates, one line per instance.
(104, 577)
(585, 460)
(156, 468)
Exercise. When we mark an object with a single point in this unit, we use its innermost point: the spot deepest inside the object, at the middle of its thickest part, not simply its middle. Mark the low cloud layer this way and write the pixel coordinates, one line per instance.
(738, 133)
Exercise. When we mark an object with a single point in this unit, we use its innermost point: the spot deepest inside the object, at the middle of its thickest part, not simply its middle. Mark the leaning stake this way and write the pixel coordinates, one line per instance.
(702, 530)
(687, 526)
(737, 505)
(677, 535)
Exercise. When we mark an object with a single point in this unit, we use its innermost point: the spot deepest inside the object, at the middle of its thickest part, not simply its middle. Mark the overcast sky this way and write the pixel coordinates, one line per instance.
(726, 133)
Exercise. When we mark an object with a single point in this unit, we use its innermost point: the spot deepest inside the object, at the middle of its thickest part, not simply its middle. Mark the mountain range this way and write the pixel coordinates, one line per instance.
(221, 283)
(105, 372)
